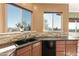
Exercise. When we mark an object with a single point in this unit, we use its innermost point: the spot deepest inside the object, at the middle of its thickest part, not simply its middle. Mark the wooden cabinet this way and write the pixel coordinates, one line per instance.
(71, 48)
(60, 48)
(25, 51)
(63, 48)
(60, 53)
(67, 47)
(31, 50)
(36, 49)
(78, 48)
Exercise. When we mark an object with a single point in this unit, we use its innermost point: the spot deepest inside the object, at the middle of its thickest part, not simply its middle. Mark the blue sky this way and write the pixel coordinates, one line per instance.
(73, 25)
(27, 17)
(14, 15)
(53, 20)
(57, 21)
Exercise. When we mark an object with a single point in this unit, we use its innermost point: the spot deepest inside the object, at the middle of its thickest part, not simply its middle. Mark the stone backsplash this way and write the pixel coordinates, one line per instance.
(12, 37)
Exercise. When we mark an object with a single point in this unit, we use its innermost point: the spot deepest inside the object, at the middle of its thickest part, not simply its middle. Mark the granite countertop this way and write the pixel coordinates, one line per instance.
(10, 38)
(7, 42)
(9, 51)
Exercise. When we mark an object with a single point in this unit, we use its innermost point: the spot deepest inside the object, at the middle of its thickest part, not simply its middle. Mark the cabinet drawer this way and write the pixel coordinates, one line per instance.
(60, 46)
(60, 50)
(71, 42)
(60, 53)
(36, 44)
(60, 42)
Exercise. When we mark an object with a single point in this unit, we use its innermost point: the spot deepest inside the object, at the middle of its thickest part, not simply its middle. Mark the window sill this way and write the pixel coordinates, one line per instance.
(16, 32)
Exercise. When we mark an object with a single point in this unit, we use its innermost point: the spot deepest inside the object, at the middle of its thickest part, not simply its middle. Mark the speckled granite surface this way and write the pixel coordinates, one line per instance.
(12, 37)
(9, 39)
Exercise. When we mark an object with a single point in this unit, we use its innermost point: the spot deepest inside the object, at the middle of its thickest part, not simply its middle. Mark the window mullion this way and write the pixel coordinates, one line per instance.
(75, 26)
(52, 21)
(21, 18)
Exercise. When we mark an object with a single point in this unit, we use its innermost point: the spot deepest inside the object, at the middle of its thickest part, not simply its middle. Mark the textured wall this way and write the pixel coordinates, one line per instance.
(39, 9)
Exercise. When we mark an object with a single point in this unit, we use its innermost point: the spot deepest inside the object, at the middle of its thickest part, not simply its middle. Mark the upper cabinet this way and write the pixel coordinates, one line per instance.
(52, 22)
(18, 19)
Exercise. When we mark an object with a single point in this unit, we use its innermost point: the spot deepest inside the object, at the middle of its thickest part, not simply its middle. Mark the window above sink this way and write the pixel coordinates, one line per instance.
(18, 19)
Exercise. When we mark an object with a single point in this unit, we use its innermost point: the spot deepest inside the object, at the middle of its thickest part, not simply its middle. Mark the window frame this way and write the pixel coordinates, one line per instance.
(75, 21)
(22, 8)
(31, 18)
(53, 22)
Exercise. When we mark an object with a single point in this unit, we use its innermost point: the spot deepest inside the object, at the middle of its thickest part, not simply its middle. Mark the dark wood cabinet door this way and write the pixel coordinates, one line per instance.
(71, 48)
(68, 48)
(60, 42)
(25, 51)
(60, 48)
(70, 42)
(60, 53)
(36, 50)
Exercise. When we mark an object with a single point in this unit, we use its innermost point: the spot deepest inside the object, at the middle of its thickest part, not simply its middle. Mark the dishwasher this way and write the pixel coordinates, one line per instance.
(49, 48)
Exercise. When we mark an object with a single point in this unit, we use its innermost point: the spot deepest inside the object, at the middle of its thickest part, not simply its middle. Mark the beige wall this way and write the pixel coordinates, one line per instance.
(26, 5)
(3, 20)
(39, 9)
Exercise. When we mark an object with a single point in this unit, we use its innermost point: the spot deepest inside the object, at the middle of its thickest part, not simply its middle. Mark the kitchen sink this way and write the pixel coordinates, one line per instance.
(23, 41)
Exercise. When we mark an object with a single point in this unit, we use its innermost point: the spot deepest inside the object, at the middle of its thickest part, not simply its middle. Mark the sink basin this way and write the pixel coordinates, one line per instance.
(23, 41)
